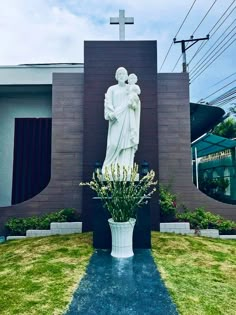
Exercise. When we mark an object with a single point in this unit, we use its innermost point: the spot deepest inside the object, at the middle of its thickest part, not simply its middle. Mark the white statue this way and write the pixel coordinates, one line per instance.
(122, 109)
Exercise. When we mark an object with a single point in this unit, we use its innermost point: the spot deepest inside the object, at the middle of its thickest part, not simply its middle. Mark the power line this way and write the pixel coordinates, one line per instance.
(176, 63)
(223, 21)
(197, 75)
(204, 17)
(223, 96)
(226, 101)
(196, 30)
(217, 90)
(185, 18)
(177, 33)
(204, 43)
(223, 79)
(207, 64)
(209, 52)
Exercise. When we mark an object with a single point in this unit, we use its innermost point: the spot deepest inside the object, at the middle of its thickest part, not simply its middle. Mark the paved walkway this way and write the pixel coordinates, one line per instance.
(130, 286)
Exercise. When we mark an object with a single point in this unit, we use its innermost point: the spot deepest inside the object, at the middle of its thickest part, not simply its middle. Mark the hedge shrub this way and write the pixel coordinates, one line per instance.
(19, 226)
(201, 219)
(167, 202)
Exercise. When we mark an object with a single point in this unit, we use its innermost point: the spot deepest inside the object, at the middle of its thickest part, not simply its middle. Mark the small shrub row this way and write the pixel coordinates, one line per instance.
(167, 202)
(198, 219)
(201, 219)
(19, 226)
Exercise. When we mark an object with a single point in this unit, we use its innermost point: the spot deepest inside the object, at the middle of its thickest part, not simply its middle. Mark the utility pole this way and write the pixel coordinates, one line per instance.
(183, 48)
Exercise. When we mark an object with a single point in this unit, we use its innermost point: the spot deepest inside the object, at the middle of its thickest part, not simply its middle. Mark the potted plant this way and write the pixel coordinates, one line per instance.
(122, 194)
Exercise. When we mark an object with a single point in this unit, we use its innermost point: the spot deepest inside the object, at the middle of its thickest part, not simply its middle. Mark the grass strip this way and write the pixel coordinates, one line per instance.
(199, 272)
(39, 275)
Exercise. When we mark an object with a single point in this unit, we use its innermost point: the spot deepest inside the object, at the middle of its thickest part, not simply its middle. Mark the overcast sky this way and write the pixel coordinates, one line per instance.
(49, 31)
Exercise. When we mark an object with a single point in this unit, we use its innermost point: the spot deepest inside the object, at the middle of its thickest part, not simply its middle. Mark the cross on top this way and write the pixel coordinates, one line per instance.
(122, 20)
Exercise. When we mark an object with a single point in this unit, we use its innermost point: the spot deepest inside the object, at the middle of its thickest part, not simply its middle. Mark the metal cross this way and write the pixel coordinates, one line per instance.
(122, 20)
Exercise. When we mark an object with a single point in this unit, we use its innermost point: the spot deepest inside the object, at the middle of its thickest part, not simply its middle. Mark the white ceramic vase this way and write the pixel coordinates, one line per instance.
(122, 238)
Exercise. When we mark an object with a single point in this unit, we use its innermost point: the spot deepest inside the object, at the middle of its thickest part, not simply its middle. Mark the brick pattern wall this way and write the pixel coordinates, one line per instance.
(174, 144)
(67, 147)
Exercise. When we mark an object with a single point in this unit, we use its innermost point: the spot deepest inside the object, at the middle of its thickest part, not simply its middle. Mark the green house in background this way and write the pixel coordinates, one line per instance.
(215, 171)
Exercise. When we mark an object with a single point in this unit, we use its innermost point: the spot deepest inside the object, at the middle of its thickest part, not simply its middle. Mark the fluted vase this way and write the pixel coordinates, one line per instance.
(122, 238)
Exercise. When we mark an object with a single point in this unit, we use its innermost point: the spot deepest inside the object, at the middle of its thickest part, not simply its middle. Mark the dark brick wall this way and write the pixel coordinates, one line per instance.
(67, 147)
(174, 144)
(102, 58)
(167, 148)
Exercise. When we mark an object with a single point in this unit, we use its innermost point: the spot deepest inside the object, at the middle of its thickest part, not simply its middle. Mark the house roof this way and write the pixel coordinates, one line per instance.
(203, 118)
(209, 144)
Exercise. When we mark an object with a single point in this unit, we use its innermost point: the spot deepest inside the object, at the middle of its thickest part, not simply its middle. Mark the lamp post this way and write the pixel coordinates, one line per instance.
(144, 168)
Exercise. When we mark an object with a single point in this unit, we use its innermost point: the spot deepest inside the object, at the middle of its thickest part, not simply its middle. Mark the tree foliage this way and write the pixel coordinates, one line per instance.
(226, 129)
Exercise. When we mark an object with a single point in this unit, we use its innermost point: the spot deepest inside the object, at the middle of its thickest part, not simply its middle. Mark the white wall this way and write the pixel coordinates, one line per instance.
(16, 105)
(34, 74)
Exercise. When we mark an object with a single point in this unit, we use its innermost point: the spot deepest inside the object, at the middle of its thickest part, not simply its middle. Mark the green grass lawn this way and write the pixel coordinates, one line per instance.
(199, 272)
(39, 275)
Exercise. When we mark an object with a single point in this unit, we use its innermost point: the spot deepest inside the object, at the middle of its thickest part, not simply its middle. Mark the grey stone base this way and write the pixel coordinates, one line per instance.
(12, 237)
(228, 237)
(184, 228)
(55, 229)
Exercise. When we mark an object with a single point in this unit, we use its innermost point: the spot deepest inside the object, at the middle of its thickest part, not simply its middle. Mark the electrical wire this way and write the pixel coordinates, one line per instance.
(177, 33)
(211, 35)
(176, 63)
(197, 75)
(223, 79)
(204, 98)
(204, 17)
(225, 102)
(210, 51)
(197, 29)
(224, 96)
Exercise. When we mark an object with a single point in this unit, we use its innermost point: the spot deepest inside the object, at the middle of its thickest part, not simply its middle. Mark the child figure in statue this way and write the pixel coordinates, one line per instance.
(134, 104)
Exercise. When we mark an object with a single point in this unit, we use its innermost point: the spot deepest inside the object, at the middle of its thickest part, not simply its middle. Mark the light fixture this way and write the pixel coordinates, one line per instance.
(144, 168)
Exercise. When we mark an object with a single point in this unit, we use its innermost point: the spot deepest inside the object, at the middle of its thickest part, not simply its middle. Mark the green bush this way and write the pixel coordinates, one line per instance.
(215, 188)
(201, 219)
(167, 202)
(19, 226)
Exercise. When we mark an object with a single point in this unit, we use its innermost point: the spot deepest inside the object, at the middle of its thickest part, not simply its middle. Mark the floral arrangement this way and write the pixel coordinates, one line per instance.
(120, 191)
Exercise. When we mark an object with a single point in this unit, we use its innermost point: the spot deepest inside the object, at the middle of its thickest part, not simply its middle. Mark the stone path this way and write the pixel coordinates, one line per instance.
(130, 286)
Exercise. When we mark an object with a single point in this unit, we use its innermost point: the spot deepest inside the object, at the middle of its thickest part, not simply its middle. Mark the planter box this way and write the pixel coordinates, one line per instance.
(16, 237)
(56, 228)
(209, 233)
(228, 237)
(37, 233)
(66, 228)
(184, 228)
(175, 227)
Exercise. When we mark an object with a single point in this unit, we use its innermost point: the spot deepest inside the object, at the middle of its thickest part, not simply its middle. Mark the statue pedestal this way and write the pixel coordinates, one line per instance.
(102, 232)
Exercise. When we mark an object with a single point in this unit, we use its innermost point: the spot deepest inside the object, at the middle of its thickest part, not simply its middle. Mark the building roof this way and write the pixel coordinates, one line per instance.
(35, 74)
(209, 144)
(204, 118)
